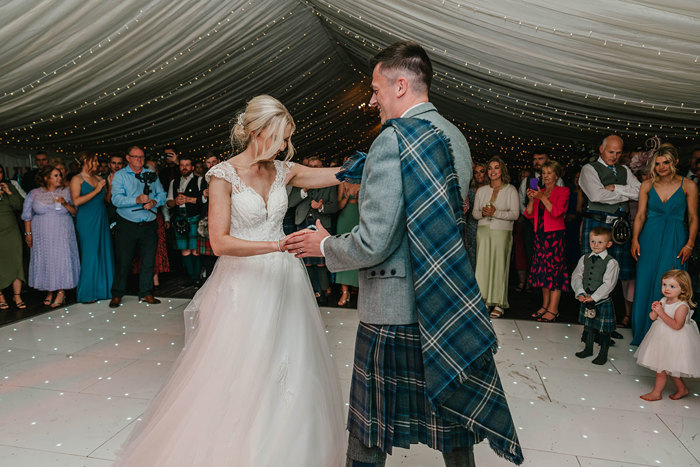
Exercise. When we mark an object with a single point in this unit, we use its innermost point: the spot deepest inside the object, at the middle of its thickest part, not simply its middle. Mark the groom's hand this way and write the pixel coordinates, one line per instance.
(305, 243)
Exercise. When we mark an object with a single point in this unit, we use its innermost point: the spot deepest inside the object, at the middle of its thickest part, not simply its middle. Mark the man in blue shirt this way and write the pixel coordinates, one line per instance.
(136, 225)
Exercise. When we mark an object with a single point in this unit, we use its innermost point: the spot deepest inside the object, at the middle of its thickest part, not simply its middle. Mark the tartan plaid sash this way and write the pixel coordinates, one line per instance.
(458, 340)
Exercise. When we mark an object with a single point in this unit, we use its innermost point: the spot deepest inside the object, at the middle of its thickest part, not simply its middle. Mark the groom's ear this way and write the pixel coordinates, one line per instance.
(401, 87)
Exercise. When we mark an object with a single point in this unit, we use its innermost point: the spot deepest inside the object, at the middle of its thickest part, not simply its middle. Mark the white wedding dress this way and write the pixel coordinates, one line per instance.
(255, 385)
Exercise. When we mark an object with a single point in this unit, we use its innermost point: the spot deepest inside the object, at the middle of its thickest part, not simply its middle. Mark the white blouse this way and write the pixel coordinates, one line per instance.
(507, 206)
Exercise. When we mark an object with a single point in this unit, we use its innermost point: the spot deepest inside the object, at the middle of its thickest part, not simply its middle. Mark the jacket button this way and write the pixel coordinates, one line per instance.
(374, 273)
(381, 273)
(346, 235)
(393, 272)
(337, 236)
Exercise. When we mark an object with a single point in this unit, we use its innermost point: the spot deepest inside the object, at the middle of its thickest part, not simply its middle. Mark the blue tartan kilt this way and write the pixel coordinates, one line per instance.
(620, 252)
(605, 317)
(388, 401)
(188, 241)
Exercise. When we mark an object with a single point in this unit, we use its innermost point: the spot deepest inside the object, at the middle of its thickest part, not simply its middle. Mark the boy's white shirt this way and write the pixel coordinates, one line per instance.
(609, 279)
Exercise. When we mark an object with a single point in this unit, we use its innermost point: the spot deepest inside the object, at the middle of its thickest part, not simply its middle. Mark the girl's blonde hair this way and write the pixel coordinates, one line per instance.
(668, 151)
(505, 176)
(683, 279)
(263, 113)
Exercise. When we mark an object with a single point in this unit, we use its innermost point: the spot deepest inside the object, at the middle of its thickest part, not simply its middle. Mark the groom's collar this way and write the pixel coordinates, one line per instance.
(418, 109)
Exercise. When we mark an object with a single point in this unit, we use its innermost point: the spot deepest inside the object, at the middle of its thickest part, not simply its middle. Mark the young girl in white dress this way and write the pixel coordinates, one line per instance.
(672, 344)
(255, 385)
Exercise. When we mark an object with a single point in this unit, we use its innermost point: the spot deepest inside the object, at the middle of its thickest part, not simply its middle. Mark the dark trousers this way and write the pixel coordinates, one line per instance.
(128, 237)
(360, 455)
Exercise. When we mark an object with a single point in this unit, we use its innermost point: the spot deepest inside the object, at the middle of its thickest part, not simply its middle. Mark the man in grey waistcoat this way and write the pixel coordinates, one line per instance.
(609, 187)
(389, 404)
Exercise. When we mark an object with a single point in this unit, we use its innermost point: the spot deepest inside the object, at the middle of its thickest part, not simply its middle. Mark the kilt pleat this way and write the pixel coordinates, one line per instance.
(604, 320)
(388, 400)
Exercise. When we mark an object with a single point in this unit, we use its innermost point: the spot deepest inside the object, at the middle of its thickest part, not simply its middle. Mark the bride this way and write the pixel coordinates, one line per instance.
(255, 385)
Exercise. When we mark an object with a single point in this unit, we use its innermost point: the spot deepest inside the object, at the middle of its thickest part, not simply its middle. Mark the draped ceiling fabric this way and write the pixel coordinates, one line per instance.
(88, 74)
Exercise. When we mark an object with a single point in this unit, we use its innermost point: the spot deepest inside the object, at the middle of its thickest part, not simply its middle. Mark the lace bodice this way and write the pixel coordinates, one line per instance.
(250, 218)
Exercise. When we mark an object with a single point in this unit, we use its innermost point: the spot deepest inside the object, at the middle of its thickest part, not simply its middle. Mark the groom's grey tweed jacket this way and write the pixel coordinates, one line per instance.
(378, 246)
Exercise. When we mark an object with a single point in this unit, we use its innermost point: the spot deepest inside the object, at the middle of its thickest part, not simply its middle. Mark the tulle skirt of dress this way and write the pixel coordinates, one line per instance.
(255, 385)
(677, 352)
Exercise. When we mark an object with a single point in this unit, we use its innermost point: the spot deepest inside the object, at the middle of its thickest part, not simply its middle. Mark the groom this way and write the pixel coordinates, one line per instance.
(423, 370)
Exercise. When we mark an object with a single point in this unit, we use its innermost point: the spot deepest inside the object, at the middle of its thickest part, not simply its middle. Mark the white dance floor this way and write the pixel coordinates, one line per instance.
(73, 382)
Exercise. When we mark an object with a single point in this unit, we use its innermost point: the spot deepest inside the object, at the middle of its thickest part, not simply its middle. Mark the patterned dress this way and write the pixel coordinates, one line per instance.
(54, 263)
(549, 257)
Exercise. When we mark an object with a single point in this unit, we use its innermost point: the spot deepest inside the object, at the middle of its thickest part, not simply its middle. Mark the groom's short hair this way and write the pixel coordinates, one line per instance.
(408, 56)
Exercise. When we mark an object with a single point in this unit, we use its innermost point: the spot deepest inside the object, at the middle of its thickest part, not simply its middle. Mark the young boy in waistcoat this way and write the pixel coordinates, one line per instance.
(593, 280)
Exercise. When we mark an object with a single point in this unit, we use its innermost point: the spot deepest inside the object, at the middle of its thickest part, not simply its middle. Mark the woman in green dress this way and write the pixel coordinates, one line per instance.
(348, 218)
(12, 270)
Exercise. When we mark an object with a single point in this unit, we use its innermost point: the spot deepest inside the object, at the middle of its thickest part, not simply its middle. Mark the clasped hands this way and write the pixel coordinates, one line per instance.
(656, 309)
(147, 202)
(306, 242)
(584, 298)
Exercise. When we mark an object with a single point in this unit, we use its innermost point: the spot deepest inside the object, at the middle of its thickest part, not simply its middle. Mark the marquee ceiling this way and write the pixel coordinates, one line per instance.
(88, 74)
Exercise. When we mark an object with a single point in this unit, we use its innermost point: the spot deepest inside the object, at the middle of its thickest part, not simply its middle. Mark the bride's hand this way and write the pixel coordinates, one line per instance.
(307, 242)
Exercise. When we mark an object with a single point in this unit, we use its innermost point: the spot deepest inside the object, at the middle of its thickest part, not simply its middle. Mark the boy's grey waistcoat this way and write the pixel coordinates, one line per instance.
(378, 246)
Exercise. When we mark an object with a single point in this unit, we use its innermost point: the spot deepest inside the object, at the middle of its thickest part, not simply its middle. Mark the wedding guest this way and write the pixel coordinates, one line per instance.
(609, 188)
(54, 264)
(547, 207)
(521, 264)
(116, 163)
(206, 254)
(162, 263)
(478, 180)
(12, 270)
(310, 205)
(185, 202)
(136, 225)
(348, 218)
(496, 207)
(199, 170)
(89, 192)
(103, 170)
(172, 166)
(660, 240)
(539, 157)
(574, 217)
(58, 163)
(41, 159)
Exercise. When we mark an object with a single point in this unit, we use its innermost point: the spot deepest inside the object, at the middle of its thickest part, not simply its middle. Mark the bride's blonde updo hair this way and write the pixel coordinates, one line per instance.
(263, 113)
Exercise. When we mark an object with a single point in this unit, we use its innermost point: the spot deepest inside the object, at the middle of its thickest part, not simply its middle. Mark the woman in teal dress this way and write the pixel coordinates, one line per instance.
(348, 218)
(660, 240)
(89, 192)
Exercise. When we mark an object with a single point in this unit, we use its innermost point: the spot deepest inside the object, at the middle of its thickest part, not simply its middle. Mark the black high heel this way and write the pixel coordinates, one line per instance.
(542, 319)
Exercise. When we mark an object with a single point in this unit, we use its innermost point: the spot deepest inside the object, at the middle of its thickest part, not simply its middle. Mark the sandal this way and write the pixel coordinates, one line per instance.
(48, 299)
(19, 303)
(497, 312)
(3, 303)
(542, 318)
(344, 298)
(58, 302)
(538, 314)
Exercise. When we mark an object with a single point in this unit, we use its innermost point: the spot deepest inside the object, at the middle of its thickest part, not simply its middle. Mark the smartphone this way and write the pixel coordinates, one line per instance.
(534, 184)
